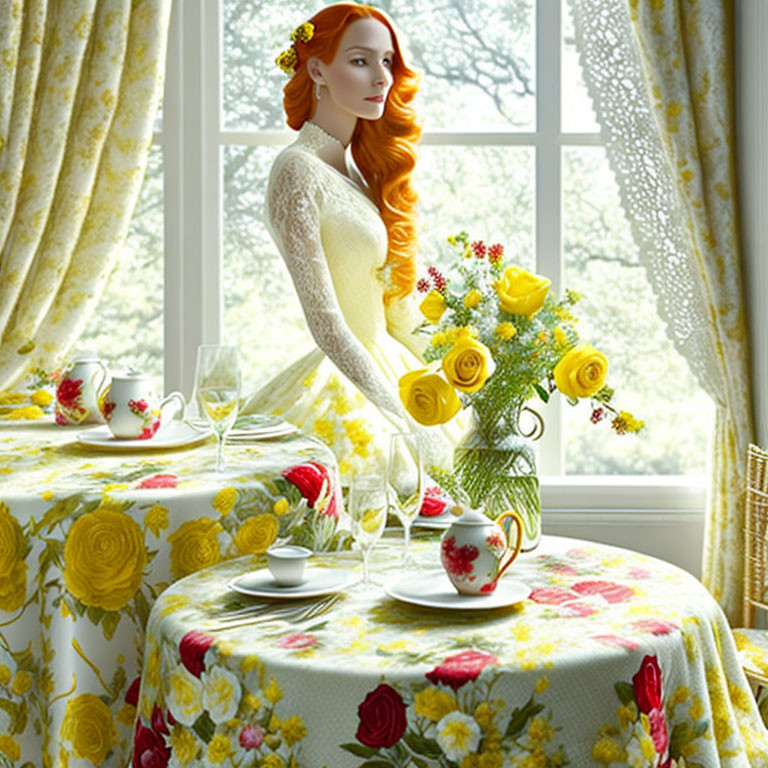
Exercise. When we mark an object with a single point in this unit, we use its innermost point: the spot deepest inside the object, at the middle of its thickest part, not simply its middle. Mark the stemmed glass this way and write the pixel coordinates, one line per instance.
(367, 508)
(217, 385)
(405, 484)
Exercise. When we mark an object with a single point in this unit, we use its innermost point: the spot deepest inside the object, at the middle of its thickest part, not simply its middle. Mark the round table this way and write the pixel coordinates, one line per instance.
(89, 539)
(615, 659)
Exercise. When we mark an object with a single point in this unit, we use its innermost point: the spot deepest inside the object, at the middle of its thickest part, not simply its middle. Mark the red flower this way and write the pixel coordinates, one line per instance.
(576, 610)
(68, 392)
(659, 733)
(299, 640)
(457, 560)
(461, 668)
(158, 721)
(382, 718)
(107, 406)
(192, 648)
(149, 748)
(432, 504)
(138, 405)
(479, 248)
(159, 481)
(148, 432)
(422, 285)
(312, 479)
(610, 592)
(639, 573)
(495, 252)
(251, 737)
(622, 642)
(60, 419)
(132, 694)
(551, 595)
(647, 685)
(654, 626)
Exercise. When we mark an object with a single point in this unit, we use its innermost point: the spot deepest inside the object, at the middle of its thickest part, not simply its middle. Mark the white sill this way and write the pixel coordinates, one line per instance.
(624, 493)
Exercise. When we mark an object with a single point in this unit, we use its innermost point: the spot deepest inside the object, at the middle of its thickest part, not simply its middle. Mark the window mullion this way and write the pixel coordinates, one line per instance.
(548, 197)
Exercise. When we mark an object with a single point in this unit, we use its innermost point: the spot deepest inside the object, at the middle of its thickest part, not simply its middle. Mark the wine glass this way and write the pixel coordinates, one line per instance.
(217, 385)
(405, 484)
(367, 508)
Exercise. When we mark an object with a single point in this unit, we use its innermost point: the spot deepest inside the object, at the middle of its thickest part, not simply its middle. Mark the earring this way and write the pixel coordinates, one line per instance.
(318, 94)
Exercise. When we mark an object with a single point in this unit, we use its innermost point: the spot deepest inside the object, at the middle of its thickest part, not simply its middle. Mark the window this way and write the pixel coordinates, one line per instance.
(511, 152)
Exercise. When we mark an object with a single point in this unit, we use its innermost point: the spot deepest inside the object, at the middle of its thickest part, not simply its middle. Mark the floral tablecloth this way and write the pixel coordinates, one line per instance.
(616, 659)
(88, 540)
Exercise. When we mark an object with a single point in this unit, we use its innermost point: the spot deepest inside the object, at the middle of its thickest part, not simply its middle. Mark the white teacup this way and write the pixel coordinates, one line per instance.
(131, 410)
(287, 564)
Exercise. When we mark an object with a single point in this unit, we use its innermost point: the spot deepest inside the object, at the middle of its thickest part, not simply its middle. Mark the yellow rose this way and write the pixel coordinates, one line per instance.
(10, 747)
(433, 306)
(13, 569)
(41, 397)
(225, 501)
(105, 556)
(581, 372)
(505, 331)
(195, 545)
(472, 299)
(156, 519)
(256, 534)
(521, 292)
(293, 730)
(88, 724)
(434, 704)
(22, 682)
(468, 364)
(429, 398)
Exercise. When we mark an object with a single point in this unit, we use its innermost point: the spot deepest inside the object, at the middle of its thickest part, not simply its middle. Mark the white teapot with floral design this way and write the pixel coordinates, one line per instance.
(78, 392)
(130, 408)
(475, 551)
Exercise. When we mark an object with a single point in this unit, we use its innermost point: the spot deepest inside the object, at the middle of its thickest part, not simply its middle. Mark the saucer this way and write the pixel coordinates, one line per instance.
(320, 581)
(175, 435)
(434, 590)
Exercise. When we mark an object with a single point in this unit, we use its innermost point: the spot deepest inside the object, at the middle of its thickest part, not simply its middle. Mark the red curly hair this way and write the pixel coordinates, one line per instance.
(383, 150)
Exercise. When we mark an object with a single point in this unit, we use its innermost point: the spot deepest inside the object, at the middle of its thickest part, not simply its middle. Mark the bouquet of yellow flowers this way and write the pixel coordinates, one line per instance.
(500, 339)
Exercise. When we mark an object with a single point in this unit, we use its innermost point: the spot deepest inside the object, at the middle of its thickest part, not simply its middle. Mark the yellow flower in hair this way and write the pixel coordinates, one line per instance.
(304, 32)
(287, 61)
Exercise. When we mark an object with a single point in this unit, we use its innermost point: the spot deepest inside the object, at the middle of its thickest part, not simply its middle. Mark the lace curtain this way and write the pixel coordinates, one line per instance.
(80, 82)
(660, 76)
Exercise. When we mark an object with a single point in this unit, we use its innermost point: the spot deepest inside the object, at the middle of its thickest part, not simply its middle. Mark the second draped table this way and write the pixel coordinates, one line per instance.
(615, 659)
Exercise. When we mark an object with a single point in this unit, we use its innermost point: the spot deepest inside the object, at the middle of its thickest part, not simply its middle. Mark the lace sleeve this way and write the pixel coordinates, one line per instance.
(294, 199)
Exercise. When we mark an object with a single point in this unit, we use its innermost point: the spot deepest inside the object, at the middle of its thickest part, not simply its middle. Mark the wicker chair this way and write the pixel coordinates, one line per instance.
(751, 641)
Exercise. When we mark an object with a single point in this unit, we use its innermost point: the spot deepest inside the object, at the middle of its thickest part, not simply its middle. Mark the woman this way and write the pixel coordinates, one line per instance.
(341, 210)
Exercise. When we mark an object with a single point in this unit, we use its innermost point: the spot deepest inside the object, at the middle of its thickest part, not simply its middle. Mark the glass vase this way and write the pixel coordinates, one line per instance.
(495, 466)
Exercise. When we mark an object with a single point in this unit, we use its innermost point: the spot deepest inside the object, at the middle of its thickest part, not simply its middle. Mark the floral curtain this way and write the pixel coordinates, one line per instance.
(661, 77)
(80, 83)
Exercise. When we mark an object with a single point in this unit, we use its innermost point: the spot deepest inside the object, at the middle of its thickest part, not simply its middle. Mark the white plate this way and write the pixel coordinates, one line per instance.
(261, 433)
(175, 435)
(320, 581)
(438, 522)
(434, 590)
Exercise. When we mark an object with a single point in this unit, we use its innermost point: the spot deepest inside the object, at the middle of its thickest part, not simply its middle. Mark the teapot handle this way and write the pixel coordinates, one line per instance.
(179, 398)
(104, 371)
(518, 543)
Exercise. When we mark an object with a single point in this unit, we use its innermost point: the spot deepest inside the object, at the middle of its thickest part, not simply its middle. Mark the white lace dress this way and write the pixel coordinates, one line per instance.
(334, 243)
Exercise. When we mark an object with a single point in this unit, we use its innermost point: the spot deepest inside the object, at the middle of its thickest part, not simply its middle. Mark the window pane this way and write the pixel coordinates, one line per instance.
(477, 71)
(127, 327)
(486, 191)
(476, 60)
(577, 113)
(262, 314)
(618, 316)
(254, 33)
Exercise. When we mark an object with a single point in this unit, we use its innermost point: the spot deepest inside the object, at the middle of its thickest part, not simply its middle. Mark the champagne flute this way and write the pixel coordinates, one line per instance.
(217, 384)
(367, 508)
(405, 484)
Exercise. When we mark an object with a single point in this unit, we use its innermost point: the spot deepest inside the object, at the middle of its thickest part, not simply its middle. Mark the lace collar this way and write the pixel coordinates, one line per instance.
(314, 138)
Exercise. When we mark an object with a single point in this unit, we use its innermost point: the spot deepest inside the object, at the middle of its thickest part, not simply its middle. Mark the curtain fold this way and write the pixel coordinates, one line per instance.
(661, 78)
(80, 84)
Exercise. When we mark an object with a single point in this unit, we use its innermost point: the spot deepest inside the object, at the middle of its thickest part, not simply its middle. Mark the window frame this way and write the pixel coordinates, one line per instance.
(193, 139)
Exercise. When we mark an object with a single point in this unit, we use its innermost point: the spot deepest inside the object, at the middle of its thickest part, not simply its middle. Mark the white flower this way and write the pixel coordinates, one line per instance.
(221, 694)
(185, 695)
(458, 735)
